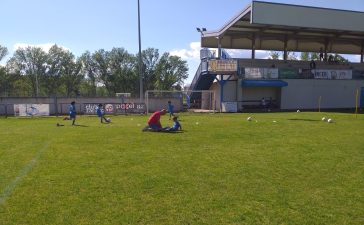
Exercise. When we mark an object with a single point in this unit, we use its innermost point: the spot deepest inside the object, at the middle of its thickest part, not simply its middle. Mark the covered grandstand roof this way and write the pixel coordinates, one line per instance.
(279, 27)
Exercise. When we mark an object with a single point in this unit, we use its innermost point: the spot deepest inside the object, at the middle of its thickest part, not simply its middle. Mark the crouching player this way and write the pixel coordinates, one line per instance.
(154, 123)
(176, 125)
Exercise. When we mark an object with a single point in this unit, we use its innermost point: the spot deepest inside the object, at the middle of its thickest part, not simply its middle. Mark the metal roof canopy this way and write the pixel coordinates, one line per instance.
(284, 27)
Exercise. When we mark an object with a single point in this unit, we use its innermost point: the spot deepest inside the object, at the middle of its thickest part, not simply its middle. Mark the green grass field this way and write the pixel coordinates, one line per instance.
(221, 170)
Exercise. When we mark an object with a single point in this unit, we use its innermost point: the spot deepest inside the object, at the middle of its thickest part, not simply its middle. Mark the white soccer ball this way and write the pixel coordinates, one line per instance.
(108, 120)
(298, 110)
(323, 119)
(330, 120)
(249, 119)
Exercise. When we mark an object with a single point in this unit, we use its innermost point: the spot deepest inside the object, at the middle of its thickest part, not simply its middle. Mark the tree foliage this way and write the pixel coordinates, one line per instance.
(170, 72)
(30, 62)
(34, 72)
(3, 52)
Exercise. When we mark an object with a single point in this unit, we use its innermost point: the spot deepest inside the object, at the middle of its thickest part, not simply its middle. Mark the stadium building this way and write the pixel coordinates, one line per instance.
(242, 83)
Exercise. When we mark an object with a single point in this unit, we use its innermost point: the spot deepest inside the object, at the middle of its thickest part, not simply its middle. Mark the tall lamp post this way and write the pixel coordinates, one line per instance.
(140, 59)
(201, 30)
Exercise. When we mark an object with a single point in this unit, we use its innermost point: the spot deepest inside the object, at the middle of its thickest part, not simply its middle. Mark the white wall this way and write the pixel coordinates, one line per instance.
(301, 94)
(230, 92)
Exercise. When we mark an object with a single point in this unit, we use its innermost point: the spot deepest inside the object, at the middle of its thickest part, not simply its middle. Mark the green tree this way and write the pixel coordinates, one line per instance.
(274, 55)
(308, 56)
(88, 70)
(171, 71)
(122, 77)
(30, 62)
(9, 83)
(100, 60)
(150, 58)
(3, 52)
(4, 81)
(341, 59)
(72, 76)
(58, 65)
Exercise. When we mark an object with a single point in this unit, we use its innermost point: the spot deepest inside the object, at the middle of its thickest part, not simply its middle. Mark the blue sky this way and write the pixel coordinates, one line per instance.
(168, 25)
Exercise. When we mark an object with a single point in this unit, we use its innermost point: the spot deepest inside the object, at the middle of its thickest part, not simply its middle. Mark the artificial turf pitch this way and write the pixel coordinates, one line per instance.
(222, 169)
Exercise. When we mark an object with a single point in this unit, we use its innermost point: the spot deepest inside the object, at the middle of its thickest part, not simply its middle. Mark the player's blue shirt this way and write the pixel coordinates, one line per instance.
(72, 109)
(176, 125)
(170, 108)
(100, 111)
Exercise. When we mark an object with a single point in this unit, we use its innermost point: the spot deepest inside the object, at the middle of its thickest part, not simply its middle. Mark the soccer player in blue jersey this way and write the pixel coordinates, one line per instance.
(72, 109)
(101, 113)
(170, 109)
(176, 125)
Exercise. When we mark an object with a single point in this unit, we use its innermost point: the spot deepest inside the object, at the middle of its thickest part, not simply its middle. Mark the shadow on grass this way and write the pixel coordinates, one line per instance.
(79, 125)
(308, 120)
(165, 132)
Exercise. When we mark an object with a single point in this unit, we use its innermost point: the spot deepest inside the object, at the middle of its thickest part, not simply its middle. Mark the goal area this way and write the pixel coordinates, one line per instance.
(183, 101)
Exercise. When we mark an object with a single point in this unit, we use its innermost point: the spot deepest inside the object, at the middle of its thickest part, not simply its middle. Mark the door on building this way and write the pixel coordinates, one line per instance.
(362, 98)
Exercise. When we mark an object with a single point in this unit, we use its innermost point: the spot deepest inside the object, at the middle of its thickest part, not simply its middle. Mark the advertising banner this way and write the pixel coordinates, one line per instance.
(261, 73)
(305, 74)
(31, 109)
(226, 66)
(358, 74)
(333, 74)
(288, 73)
(116, 108)
(229, 106)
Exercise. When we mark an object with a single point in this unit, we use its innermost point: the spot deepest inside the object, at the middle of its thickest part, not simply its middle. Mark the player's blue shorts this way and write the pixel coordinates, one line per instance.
(154, 127)
(72, 115)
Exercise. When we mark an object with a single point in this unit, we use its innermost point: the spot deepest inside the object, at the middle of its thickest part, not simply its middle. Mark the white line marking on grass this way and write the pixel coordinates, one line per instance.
(24, 172)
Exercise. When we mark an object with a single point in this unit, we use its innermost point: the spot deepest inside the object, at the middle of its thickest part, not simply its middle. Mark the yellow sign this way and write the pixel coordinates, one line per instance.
(223, 66)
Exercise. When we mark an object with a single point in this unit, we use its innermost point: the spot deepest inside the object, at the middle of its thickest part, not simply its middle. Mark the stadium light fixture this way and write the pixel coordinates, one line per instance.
(201, 30)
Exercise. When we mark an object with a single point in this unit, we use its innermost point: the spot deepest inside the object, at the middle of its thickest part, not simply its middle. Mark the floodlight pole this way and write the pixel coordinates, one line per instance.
(36, 84)
(140, 59)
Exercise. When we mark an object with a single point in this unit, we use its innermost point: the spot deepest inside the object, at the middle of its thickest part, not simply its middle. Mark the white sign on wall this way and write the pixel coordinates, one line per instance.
(31, 109)
(261, 73)
(333, 74)
(229, 106)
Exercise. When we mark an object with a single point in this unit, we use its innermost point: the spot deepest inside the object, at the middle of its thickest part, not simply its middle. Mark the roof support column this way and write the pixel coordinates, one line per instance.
(219, 47)
(362, 52)
(325, 50)
(285, 53)
(253, 46)
(222, 82)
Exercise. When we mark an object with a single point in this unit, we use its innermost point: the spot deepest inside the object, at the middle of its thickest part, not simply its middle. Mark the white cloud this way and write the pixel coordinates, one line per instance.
(247, 54)
(353, 58)
(192, 53)
(45, 47)
(192, 56)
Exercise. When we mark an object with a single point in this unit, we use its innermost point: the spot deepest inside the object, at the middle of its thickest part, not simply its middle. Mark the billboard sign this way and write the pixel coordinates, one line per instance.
(288, 73)
(229, 106)
(226, 66)
(261, 73)
(31, 109)
(115, 108)
(333, 74)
